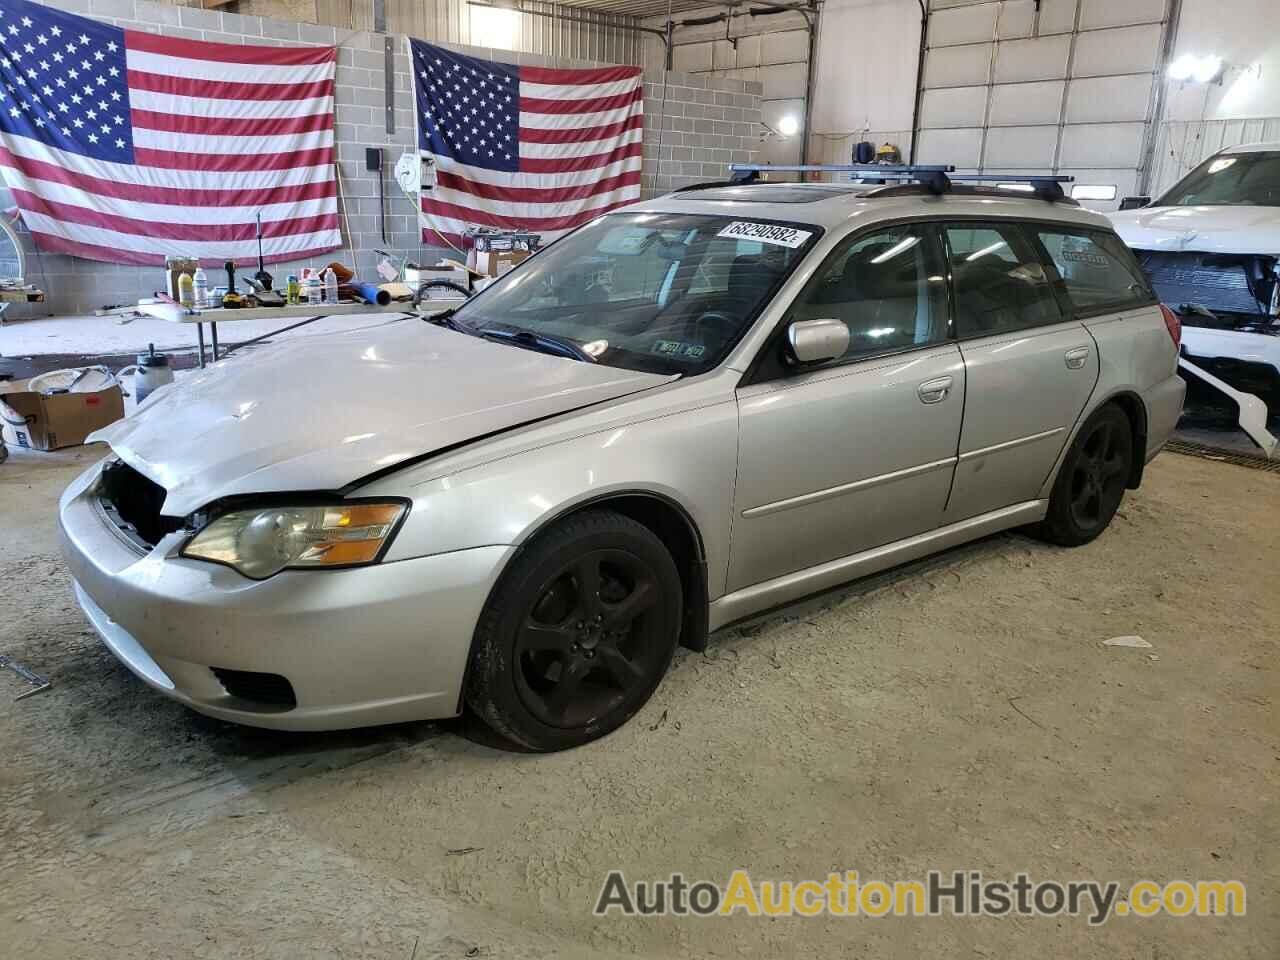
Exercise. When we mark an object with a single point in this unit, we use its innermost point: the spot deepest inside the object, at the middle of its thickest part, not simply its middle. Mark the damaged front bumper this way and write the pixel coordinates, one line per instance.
(303, 650)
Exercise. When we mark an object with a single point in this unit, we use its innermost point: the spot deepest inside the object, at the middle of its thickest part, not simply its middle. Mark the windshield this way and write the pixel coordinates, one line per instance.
(1240, 179)
(658, 292)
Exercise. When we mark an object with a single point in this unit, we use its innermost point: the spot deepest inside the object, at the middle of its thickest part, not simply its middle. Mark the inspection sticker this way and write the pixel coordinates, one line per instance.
(766, 233)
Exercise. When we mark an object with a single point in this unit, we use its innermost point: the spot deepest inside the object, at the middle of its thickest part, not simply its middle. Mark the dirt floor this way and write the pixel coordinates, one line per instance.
(960, 714)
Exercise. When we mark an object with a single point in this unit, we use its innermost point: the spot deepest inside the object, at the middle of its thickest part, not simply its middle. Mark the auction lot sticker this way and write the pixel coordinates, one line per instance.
(766, 233)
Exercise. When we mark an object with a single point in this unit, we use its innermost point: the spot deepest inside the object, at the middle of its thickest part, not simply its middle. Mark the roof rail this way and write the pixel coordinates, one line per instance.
(934, 175)
(937, 178)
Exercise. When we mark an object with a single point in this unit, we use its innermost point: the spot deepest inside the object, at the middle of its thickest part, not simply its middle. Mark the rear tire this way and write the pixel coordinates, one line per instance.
(577, 634)
(1091, 481)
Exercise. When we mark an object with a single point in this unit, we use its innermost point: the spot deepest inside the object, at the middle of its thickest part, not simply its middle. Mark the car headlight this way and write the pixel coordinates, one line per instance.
(262, 542)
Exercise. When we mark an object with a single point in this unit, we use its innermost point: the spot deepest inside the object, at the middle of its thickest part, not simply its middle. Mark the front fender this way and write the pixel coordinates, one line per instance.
(688, 458)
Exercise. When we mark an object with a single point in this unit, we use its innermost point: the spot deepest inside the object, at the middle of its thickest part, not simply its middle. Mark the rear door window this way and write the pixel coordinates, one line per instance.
(1097, 271)
(999, 278)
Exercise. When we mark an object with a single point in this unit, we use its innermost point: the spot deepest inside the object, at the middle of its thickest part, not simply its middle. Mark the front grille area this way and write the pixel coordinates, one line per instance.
(132, 502)
(1220, 283)
(264, 689)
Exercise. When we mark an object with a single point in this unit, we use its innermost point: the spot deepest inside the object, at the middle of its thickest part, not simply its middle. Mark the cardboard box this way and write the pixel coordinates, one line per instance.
(48, 421)
(495, 263)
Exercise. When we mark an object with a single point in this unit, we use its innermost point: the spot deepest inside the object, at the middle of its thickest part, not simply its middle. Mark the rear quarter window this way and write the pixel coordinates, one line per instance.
(1098, 272)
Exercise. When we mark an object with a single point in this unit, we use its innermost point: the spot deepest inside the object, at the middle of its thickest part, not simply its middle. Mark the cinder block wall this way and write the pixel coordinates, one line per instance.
(709, 122)
(704, 124)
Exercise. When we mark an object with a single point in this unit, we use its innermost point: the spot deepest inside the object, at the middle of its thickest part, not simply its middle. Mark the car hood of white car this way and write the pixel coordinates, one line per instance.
(1226, 229)
(320, 412)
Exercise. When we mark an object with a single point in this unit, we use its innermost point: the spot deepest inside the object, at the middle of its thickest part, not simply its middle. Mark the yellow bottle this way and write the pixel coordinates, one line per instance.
(186, 291)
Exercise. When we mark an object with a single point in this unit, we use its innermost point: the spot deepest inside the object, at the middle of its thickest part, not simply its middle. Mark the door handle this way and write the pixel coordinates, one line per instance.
(1075, 357)
(934, 391)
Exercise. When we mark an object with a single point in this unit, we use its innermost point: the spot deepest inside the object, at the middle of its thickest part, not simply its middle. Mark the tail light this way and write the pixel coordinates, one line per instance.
(1172, 324)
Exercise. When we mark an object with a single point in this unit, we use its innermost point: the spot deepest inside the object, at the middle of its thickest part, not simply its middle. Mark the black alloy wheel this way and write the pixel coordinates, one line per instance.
(587, 644)
(1098, 475)
(1092, 479)
(577, 634)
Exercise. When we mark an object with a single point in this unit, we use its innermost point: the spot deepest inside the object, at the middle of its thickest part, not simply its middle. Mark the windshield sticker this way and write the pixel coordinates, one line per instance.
(688, 352)
(766, 233)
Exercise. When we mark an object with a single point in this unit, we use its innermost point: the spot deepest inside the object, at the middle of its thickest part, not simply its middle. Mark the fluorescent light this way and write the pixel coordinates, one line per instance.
(1093, 191)
(986, 250)
(1024, 187)
(903, 245)
(789, 126)
(1191, 67)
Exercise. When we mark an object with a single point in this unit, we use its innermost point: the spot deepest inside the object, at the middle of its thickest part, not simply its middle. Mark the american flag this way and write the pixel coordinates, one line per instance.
(525, 148)
(128, 147)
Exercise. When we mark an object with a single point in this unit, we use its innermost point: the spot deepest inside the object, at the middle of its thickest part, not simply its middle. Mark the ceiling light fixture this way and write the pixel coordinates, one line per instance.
(1189, 67)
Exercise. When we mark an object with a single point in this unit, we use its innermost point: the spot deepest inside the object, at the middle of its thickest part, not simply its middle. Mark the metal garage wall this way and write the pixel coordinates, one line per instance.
(1244, 107)
(772, 51)
(1182, 145)
(1063, 86)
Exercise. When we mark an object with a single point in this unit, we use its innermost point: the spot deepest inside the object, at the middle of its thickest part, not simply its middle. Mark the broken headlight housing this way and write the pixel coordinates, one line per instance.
(261, 542)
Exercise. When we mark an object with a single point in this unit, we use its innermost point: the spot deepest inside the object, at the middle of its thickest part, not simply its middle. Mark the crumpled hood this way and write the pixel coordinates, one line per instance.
(1201, 229)
(317, 413)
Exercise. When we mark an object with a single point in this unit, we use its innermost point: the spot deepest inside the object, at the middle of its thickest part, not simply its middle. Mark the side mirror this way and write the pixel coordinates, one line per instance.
(1135, 203)
(812, 341)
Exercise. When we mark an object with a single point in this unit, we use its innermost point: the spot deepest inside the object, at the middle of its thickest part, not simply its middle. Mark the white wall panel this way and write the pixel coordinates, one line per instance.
(1109, 99)
(1246, 34)
(961, 147)
(954, 107)
(1017, 20)
(1026, 103)
(1102, 145)
(1126, 50)
(1020, 148)
(1119, 13)
(789, 46)
(963, 25)
(1044, 58)
(782, 79)
(692, 58)
(866, 70)
(953, 66)
(1181, 146)
(1058, 16)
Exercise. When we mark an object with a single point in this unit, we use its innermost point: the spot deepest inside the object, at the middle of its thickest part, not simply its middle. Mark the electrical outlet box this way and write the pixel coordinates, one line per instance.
(373, 158)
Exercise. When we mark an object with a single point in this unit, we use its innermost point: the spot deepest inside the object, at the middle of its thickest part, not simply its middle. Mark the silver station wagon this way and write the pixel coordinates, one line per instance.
(684, 413)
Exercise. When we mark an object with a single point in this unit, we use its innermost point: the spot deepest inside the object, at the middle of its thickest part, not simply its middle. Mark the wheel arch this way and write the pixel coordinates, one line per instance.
(1136, 410)
(672, 523)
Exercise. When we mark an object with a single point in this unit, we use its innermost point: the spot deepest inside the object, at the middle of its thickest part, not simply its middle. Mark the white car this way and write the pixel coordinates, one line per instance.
(1211, 247)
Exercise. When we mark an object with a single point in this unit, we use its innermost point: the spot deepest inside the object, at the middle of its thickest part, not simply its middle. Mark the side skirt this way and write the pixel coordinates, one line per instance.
(792, 586)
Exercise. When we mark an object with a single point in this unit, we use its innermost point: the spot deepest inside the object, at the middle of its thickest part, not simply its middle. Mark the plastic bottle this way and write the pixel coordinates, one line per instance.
(201, 282)
(313, 289)
(186, 291)
(330, 286)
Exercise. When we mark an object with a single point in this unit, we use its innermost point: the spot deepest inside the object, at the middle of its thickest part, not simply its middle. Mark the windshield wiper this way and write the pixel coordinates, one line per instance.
(538, 341)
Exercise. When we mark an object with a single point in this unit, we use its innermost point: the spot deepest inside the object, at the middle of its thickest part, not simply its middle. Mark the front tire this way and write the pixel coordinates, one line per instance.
(577, 634)
(1092, 480)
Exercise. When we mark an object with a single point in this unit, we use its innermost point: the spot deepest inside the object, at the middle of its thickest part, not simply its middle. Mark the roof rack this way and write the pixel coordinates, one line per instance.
(932, 175)
(936, 178)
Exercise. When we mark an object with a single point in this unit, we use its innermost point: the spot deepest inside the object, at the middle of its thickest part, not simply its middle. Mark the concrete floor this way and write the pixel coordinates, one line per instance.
(961, 714)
